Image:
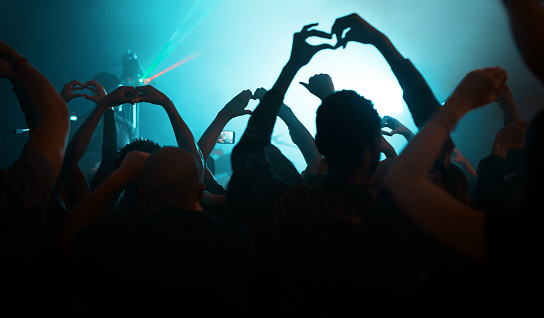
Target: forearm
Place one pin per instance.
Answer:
(468, 169)
(184, 136)
(90, 209)
(41, 91)
(81, 139)
(109, 150)
(436, 212)
(408, 135)
(109, 138)
(262, 121)
(207, 141)
(49, 137)
(510, 114)
(417, 93)
(32, 116)
(302, 138)
(422, 152)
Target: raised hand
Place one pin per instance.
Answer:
(6, 71)
(259, 93)
(359, 30)
(150, 94)
(121, 95)
(505, 99)
(302, 52)
(67, 92)
(8, 54)
(478, 88)
(133, 164)
(387, 149)
(236, 107)
(320, 85)
(510, 137)
(97, 89)
(396, 128)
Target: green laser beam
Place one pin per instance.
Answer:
(179, 35)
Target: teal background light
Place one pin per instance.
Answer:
(245, 43)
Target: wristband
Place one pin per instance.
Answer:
(18, 62)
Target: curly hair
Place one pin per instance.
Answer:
(144, 145)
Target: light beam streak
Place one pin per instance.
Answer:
(168, 69)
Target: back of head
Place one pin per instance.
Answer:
(144, 145)
(347, 127)
(170, 178)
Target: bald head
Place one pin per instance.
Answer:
(170, 177)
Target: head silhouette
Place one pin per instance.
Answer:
(170, 179)
(348, 129)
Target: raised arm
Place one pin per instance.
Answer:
(506, 103)
(74, 180)
(49, 137)
(396, 128)
(299, 135)
(90, 209)
(417, 93)
(527, 24)
(234, 108)
(455, 225)
(263, 119)
(32, 116)
(109, 135)
(184, 136)
(490, 192)
(320, 85)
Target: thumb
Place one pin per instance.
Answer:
(305, 85)
(243, 112)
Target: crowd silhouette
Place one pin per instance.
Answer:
(152, 233)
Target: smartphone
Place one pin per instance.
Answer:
(226, 137)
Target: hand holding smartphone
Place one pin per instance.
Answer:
(226, 137)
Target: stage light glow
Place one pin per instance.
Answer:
(73, 118)
(183, 30)
(168, 69)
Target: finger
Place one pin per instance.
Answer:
(341, 42)
(306, 27)
(141, 91)
(73, 89)
(75, 83)
(305, 85)
(242, 94)
(93, 83)
(319, 34)
(247, 112)
(387, 133)
(339, 26)
(246, 96)
(322, 47)
(498, 74)
(89, 88)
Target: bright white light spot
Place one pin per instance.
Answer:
(73, 118)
